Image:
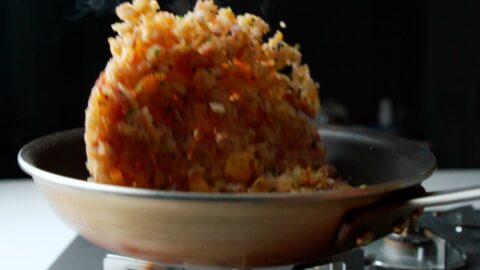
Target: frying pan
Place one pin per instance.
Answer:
(242, 230)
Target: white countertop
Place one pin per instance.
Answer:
(32, 236)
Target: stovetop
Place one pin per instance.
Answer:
(455, 235)
(460, 228)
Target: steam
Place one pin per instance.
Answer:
(98, 6)
(84, 8)
(266, 8)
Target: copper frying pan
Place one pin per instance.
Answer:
(241, 230)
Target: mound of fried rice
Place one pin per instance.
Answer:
(201, 102)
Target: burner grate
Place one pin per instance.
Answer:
(390, 253)
(441, 240)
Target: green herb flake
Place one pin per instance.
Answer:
(297, 46)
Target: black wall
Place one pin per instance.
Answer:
(423, 55)
(453, 82)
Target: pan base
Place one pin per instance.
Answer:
(83, 255)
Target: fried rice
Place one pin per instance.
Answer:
(203, 102)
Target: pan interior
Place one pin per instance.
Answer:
(362, 157)
(365, 157)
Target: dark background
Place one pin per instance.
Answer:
(422, 55)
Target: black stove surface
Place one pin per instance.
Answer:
(80, 255)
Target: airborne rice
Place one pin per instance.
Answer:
(200, 103)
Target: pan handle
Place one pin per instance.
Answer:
(445, 197)
(363, 225)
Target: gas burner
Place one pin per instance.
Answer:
(420, 249)
(432, 243)
(352, 260)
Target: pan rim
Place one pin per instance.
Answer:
(372, 190)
